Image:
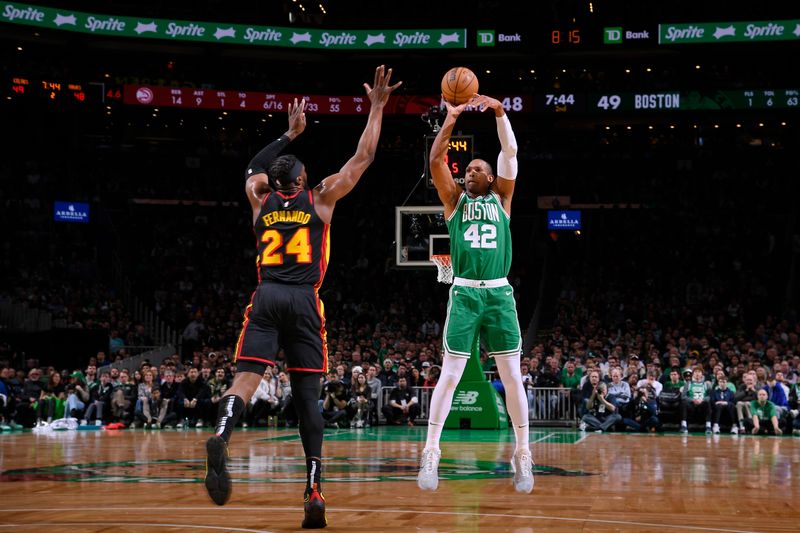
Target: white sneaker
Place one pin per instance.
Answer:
(734, 430)
(428, 478)
(715, 429)
(98, 422)
(522, 467)
(582, 426)
(199, 424)
(83, 422)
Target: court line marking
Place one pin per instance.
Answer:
(106, 524)
(581, 439)
(262, 508)
(543, 438)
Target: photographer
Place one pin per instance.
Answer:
(645, 411)
(334, 403)
(601, 414)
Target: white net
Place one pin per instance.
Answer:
(444, 267)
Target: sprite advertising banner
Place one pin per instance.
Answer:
(728, 32)
(212, 32)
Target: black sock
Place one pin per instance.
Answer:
(313, 473)
(230, 410)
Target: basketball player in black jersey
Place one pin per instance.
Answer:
(291, 223)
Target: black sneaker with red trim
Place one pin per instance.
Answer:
(314, 507)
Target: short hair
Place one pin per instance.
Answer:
(280, 169)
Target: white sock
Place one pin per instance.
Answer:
(442, 398)
(516, 399)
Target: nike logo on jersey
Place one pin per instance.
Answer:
(508, 293)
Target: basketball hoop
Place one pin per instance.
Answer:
(445, 268)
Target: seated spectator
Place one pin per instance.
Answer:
(600, 414)
(765, 417)
(5, 397)
(266, 400)
(169, 391)
(151, 405)
(432, 377)
(375, 389)
(359, 403)
(123, 399)
(744, 398)
(388, 376)
(722, 402)
(696, 400)
(619, 392)
(192, 400)
(99, 398)
(287, 414)
(52, 394)
(777, 395)
(403, 406)
(77, 396)
(144, 393)
(217, 385)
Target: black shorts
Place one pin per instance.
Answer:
(291, 317)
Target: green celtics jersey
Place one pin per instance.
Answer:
(480, 238)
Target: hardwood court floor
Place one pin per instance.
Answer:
(138, 480)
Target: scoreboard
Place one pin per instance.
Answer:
(192, 98)
(719, 100)
(81, 93)
(53, 90)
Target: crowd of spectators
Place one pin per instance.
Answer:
(691, 278)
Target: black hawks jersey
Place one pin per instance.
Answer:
(293, 242)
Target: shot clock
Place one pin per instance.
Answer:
(459, 154)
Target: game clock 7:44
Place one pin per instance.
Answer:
(559, 102)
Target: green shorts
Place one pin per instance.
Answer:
(489, 314)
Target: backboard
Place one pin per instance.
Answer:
(420, 231)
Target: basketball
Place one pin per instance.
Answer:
(459, 84)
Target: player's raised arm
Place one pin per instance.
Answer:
(257, 184)
(337, 185)
(506, 170)
(442, 177)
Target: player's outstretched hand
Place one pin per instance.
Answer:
(455, 110)
(297, 116)
(483, 102)
(379, 93)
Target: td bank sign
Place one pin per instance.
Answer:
(484, 38)
(727, 32)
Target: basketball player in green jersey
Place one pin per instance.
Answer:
(481, 299)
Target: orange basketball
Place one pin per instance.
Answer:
(459, 84)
